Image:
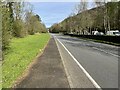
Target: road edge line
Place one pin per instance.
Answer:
(67, 74)
(86, 73)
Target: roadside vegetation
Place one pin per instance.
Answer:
(21, 53)
(102, 18)
(20, 43)
(18, 20)
(102, 21)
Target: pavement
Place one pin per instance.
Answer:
(48, 72)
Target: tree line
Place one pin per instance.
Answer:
(18, 20)
(104, 17)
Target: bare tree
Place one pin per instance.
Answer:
(103, 3)
(82, 6)
(100, 3)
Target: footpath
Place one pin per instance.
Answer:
(48, 72)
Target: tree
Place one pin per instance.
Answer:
(110, 14)
(94, 19)
(18, 9)
(18, 20)
(7, 23)
(112, 9)
(55, 28)
(81, 8)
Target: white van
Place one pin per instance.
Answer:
(97, 33)
(113, 33)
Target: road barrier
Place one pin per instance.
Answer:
(111, 39)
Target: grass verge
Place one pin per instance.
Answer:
(21, 53)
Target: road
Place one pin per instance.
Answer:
(88, 64)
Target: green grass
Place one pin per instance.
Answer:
(21, 53)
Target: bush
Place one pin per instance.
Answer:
(19, 29)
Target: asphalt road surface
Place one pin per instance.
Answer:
(99, 62)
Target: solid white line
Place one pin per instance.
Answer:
(86, 73)
(67, 73)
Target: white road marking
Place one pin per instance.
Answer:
(86, 73)
(68, 75)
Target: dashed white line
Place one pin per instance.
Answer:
(86, 73)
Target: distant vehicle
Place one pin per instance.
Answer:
(71, 33)
(117, 33)
(101, 33)
(113, 33)
(97, 33)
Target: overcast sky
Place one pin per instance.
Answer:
(53, 12)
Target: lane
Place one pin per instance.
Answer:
(102, 66)
(76, 77)
(90, 44)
